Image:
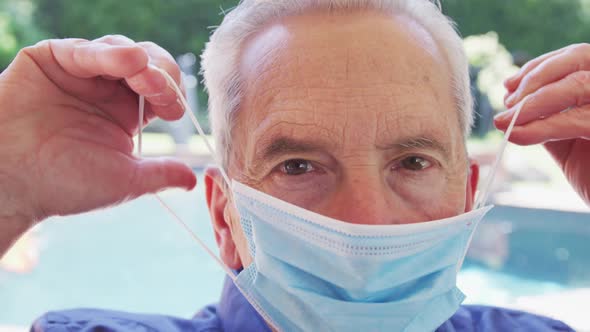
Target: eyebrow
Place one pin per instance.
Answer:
(283, 145)
(266, 152)
(418, 142)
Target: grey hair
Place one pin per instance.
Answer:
(220, 59)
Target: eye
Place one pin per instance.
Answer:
(415, 163)
(296, 167)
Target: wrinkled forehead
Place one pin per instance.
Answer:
(320, 64)
(343, 50)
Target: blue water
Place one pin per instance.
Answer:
(134, 257)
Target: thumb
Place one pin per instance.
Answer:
(560, 150)
(157, 174)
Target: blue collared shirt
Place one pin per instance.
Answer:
(235, 314)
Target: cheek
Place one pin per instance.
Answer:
(448, 202)
(431, 197)
(305, 190)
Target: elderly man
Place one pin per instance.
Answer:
(342, 125)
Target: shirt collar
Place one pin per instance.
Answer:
(236, 313)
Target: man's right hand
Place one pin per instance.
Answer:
(68, 112)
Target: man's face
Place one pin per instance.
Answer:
(351, 116)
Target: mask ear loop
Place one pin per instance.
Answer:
(180, 98)
(484, 193)
(482, 196)
(201, 243)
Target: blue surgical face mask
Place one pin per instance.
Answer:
(314, 273)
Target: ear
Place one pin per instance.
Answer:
(219, 208)
(472, 181)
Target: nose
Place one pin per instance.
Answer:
(363, 198)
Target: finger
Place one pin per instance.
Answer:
(553, 69)
(149, 82)
(153, 175)
(87, 59)
(161, 97)
(512, 82)
(560, 150)
(55, 58)
(49, 55)
(157, 56)
(162, 59)
(114, 40)
(164, 103)
(564, 153)
(572, 91)
(123, 108)
(574, 123)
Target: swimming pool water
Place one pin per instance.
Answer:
(134, 257)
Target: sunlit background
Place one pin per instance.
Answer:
(531, 253)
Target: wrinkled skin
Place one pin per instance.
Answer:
(555, 82)
(67, 117)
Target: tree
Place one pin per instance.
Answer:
(16, 29)
(180, 26)
(531, 26)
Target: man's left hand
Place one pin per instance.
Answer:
(557, 110)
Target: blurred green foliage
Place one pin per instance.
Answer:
(532, 27)
(17, 29)
(179, 26)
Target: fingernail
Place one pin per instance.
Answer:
(83, 44)
(154, 95)
(510, 101)
(504, 115)
(512, 77)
